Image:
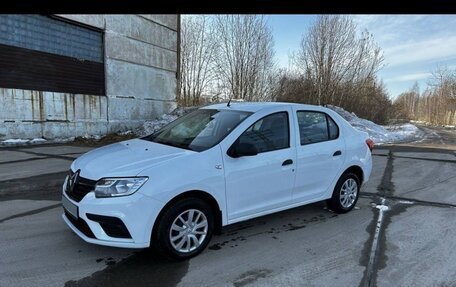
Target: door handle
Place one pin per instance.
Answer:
(337, 153)
(287, 162)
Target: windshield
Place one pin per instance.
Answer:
(199, 130)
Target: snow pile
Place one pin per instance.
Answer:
(403, 132)
(150, 127)
(378, 133)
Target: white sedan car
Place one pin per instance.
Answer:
(218, 165)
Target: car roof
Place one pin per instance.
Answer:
(257, 106)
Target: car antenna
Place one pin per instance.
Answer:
(229, 101)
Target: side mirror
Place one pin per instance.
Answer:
(242, 149)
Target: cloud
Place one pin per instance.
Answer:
(387, 28)
(408, 77)
(420, 51)
(412, 38)
(387, 21)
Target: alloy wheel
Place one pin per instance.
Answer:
(188, 230)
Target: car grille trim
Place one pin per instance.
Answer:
(81, 188)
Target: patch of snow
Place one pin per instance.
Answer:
(406, 202)
(418, 122)
(15, 141)
(381, 134)
(19, 142)
(433, 125)
(37, 140)
(125, 133)
(92, 137)
(382, 207)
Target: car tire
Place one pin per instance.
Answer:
(190, 220)
(345, 194)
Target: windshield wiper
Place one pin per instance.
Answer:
(174, 144)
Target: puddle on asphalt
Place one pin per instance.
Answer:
(248, 229)
(140, 270)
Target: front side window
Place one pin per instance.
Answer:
(199, 130)
(269, 133)
(316, 127)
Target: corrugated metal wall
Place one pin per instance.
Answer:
(71, 75)
(45, 54)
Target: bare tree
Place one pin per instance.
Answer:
(244, 62)
(338, 65)
(437, 105)
(332, 55)
(196, 61)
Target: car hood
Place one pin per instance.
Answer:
(127, 158)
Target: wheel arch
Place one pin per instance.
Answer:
(205, 196)
(357, 170)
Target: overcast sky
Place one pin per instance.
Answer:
(413, 45)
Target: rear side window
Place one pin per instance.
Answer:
(316, 127)
(269, 133)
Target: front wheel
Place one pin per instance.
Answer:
(185, 229)
(345, 194)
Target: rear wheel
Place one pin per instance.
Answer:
(345, 194)
(185, 229)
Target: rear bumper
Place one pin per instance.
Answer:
(367, 169)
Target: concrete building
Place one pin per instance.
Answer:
(71, 75)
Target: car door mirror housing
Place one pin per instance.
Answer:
(242, 149)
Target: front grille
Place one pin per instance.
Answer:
(80, 224)
(82, 186)
(112, 226)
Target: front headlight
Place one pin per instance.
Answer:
(109, 187)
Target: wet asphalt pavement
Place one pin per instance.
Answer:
(402, 232)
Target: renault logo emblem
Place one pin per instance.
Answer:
(73, 180)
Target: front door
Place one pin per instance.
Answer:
(263, 182)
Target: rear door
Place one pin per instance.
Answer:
(320, 154)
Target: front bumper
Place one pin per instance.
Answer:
(103, 242)
(137, 212)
